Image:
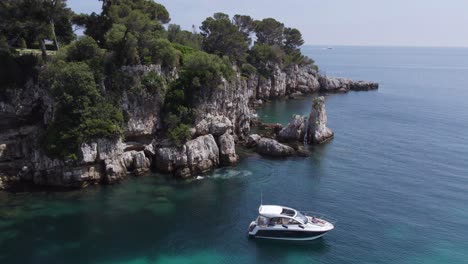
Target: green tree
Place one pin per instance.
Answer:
(82, 114)
(269, 31)
(163, 52)
(246, 25)
(176, 35)
(222, 37)
(84, 49)
(35, 21)
(262, 56)
(292, 40)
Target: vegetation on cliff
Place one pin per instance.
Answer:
(85, 78)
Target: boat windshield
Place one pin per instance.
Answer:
(301, 217)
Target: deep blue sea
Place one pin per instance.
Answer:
(395, 177)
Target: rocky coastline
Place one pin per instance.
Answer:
(224, 119)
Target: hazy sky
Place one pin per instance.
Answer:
(337, 22)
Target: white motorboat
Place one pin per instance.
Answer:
(279, 222)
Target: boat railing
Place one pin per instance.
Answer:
(320, 216)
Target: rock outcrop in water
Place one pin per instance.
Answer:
(224, 118)
(342, 85)
(317, 130)
(195, 157)
(271, 147)
(294, 131)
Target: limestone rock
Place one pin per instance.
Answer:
(202, 154)
(317, 130)
(88, 152)
(141, 162)
(216, 125)
(227, 150)
(342, 85)
(271, 147)
(171, 159)
(252, 140)
(294, 131)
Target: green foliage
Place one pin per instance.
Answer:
(136, 27)
(84, 49)
(179, 134)
(296, 58)
(205, 70)
(246, 25)
(184, 37)
(96, 26)
(82, 113)
(34, 21)
(247, 70)
(223, 38)
(292, 40)
(15, 70)
(269, 31)
(261, 56)
(154, 83)
(22, 43)
(163, 52)
(200, 74)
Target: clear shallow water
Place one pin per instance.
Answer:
(395, 177)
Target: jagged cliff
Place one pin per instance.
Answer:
(223, 118)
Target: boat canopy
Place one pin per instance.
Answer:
(272, 211)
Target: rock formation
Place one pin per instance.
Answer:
(222, 118)
(342, 85)
(294, 131)
(271, 147)
(317, 130)
(227, 150)
(195, 157)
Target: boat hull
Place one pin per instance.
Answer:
(288, 235)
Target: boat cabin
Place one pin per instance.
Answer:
(270, 215)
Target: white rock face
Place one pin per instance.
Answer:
(196, 156)
(202, 154)
(216, 125)
(317, 130)
(227, 150)
(271, 147)
(89, 152)
(294, 131)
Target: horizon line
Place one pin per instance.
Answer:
(382, 46)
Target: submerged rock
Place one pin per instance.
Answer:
(271, 147)
(317, 130)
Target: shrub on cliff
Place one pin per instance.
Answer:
(161, 51)
(183, 37)
(81, 112)
(180, 134)
(201, 69)
(154, 83)
(83, 49)
(247, 70)
(263, 56)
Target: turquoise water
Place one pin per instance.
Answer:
(395, 177)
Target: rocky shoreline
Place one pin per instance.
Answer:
(224, 119)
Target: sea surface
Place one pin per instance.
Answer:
(395, 177)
